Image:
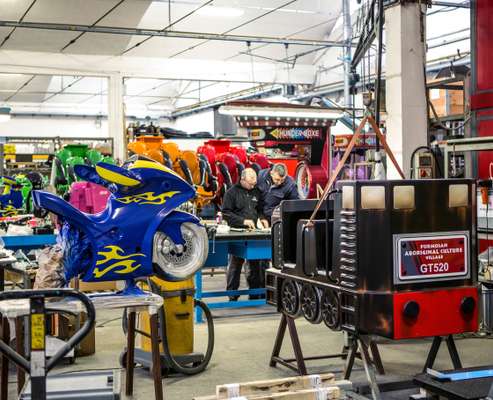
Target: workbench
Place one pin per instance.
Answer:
(250, 245)
(25, 243)
(28, 242)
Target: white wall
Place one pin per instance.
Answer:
(198, 122)
(48, 127)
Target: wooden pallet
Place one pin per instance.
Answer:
(308, 387)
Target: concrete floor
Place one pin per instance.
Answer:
(242, 349)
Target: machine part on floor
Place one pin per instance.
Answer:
(101, 385)
(104, 385)
(114, 245)
(463, 384)
(460, 376)
(177, 329)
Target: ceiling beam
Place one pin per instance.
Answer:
(253, 92)
(451, 4)
(170, 34)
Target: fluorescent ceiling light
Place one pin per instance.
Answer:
(275, 112)
(213, 11)
(4, 114)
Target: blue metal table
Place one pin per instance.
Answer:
(28, 242)
(248, 245)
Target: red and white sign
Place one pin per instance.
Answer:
(432, 257)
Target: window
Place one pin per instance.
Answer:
(373, 197)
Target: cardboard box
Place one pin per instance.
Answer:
(95, 286)
(447, 102)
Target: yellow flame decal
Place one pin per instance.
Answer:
(9, 211)
(115, 253)
(147, 198)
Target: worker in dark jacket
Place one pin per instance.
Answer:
(275, 185)
(242, 208)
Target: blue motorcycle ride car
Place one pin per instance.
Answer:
(139, 233)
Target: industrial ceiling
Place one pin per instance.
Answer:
(281, 32)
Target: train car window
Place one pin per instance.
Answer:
(348, 197)
(458, 195)
(403, 197)
(373, 197)
(291, 212)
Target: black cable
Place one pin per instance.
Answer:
(168, 357)
(187, 370)
(378, 83)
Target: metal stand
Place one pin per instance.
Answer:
(298, 364)
(155, 355)
(435, 346)
(366, 345)
(4, 365)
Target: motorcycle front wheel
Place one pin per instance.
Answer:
(174, 262)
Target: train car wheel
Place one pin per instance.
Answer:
(311, 303)
(331, 309)
(290, 298)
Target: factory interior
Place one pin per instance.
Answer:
(246, 199)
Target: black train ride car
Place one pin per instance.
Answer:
(396, 259)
